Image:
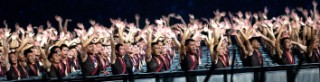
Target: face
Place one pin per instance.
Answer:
(22, 60)
(64, 52)
(316, 43)
(287, 43)
(90, 48)
(55, 58)
(36, 51)
(198, 44)
(255, 44)
(79, 46)
(122, 51)
(156, 49)
(13, 58)
(31, 57)
(70, 55)
(98, 48)
(73, 52)
(108, 50)
(169, 41)
(161, 45)
(192, 47)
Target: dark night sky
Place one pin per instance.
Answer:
(38, 11)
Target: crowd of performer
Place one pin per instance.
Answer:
(125, 47)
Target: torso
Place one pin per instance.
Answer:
(190, 61)
(119, 67)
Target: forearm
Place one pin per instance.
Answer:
(113, 49)
(149, 48)
(65, 29)
(60, 27)
(88, 41)
(177, 43)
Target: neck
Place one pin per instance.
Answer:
(31, 63)
(257, 50)
(14, 65)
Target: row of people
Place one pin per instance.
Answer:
(126, 48)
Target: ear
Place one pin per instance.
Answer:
(50, 59)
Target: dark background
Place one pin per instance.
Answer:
(38, 11)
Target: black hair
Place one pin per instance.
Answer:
(134, 43)
(73, 46)
(52, 51)
(63, 45)
(118, 46)
(154, 43)
(188, 41)
(255, 38)
(282, 41)
(26, 52)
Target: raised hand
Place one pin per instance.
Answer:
(240, 15)
(80, 25)
(172, 15)
(137, 16)
(248, 15)
(48, 24)
(40, 29)
(287, 10)
(92, 22)
(178, 17)
(58, 18)
(191, 16)
(314, 3)
(5, 23)
(29, 28)
(68, 20)
(147, 22)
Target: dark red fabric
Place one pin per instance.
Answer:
(93, 58)
(123, 64)
(223, 60)
(290, 57)
(159, 63)
(33, 69)
(260, 57)
(16, 71)
(194, 62)
(165, 62)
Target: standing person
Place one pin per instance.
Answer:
(52, 63)
(32, 67)
(118, 63)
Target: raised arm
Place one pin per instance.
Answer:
(65, 29)
(83, 52)
(241, 45)
(315, 11)
(113, 49)
(59, 19)
(6, 53)
(248, 44)
(149, 48)
(302, 47)
(181, 19)
(183, 40)
(278, 45)
(44, 57)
